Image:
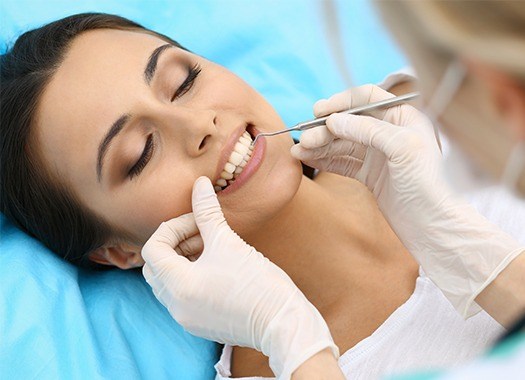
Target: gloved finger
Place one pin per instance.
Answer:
(316, 137)
(338, 147)
(335, 103)
(354, 97)
(373, 164)
(190, 247)
(206, 209)
(161, 245)
(368, 131)
(148, 274)
(351, 165)
(151, 279)
(367, 94)
(342, 165)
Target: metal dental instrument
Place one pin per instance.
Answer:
(387, 103)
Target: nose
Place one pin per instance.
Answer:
(193, 128)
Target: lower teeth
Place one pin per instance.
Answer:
(228, 182)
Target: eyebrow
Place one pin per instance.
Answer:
(118, 125)
(104, 145)
(151, 67)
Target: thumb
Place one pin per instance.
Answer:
(206, 208)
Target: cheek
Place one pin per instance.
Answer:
(159, 198)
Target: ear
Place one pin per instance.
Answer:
(507, 93)
(123, 256)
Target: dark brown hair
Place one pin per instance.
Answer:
(30, 196)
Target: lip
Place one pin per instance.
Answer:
(251, 167)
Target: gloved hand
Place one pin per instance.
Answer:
(395, 154)
(232, 294)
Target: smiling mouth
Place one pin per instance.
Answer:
(239, 157)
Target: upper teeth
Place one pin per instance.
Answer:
(237, 161)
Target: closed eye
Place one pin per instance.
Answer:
(193, 73)
(144, 158)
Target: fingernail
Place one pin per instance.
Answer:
(202, 183)
(202, 178)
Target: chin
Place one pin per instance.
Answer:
(267, 192)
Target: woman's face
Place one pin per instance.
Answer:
(127, 129)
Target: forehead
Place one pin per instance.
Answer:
(98, 61)
(105, 50)
(89, 90)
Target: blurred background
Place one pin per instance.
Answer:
(292, 51)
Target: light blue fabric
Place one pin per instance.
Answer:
(59, 322)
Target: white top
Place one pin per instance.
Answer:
(424, 333)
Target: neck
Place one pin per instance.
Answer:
(337, 249)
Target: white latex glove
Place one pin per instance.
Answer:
(395, 154)
(232, 294)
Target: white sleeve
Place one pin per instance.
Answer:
(400, 76)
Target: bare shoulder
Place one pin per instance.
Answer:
(248, 362)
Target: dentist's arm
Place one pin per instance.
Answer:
(504, 298)
(394, 153)
(233, 294)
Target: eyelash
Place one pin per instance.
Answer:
(188, 82)
(144, 158)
